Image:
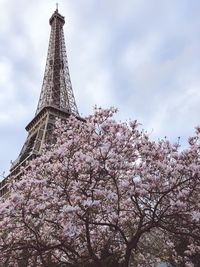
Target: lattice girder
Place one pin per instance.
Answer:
(57, 88)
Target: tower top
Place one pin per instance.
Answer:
(57, 88)
(57, 15)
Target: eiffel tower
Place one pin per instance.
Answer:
(56, 100)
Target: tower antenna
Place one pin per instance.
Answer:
(56, 6)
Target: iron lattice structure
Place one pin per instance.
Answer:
(57, 88)
(56, 100)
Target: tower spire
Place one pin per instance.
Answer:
(57, 88)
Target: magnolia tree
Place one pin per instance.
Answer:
(104, 195)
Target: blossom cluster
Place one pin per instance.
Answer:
(104, 192)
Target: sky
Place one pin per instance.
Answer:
(141, 56)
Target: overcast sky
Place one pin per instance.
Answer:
(142, 56)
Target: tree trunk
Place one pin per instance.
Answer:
(127, 257)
